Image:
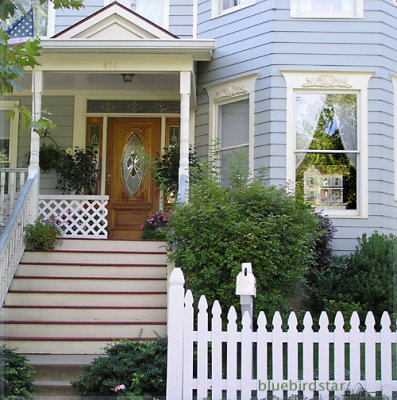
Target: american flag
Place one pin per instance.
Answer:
(22, 27)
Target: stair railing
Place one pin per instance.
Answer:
(11, 241)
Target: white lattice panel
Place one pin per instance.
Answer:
(79, 216)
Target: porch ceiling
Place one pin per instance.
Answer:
(109, 81)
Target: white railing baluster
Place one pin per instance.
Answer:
(11, 240)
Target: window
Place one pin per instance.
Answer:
(220, 7)
(231, 120)
(327, 140)
(327, 9)
(8, 134)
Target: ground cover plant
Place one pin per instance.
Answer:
(130, 368)
(243, 221)
(16, 381)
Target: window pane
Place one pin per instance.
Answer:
(4, 134)
(328, 181)
(150, 9)
(232, 3)
(329, 6)
(234, 123)
(234, 160)
(326, 121)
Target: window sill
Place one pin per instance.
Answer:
(345, 214)
(324, 16)
(233, 9)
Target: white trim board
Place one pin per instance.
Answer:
(394, 80)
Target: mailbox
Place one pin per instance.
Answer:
(246, 282)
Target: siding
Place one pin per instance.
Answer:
(68, 17)
(181, 18)
(264, 38)
(61, 109)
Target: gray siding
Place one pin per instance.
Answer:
(181, 18)
(264, 38)
(62, 110)
(68, 17)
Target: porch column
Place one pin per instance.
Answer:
(184, 137)
(34, 167)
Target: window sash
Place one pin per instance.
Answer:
(327, 9)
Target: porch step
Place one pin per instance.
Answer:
(54, 373)
(85, 294)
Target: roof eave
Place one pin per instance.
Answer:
(200, 49)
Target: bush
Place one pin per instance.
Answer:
(223, 227)
(141, 366)
(154, 227)
(78, 171)
(43, 235)
(16, 382)
(363, 281)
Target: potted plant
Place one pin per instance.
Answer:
(43, 235)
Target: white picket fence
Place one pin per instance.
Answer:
(82, 217)
(257, 364)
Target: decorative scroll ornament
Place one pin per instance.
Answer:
(230, 91)
(327, 81)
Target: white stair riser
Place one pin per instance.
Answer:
(59, 347)
(76, 271)
(95, 258)
(90, 285)
(48, 314)
(59, 299)
(112, 245)
(83, 331)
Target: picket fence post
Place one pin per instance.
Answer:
(175, 335)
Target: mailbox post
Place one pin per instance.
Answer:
(246, 288)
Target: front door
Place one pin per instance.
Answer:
(132, 194)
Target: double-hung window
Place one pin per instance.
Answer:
(220, 7)
(231, 120)
(327, 140)
(8, 133)
(327, 8)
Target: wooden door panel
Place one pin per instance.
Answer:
(132, 195)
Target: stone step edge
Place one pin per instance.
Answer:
(99, 252)
(80, 292)
(68, 339)
(35, 322)
(88, 307)
(110, 278)
(82, 264)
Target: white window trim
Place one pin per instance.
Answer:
(216, 8)
(394, 80)
(229, 92)
(13, 152)
(295, 13)
(333, 82)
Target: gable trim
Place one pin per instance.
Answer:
(103, 10)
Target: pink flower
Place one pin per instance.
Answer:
(162, 213)
(117, 388)
(142, 226)
(154, 214)
(155, 224)
(165, 219)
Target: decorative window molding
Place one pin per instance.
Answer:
(327, 9)
(335, 92)
(394, 80)
(222, 7)
(9, 140)
(225, 93)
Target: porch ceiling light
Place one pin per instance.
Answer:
(128, 77)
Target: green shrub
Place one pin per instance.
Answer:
(16, 382)
(141, 366)
(43, 235)
(362, 281)
(248, 222)
(77, 171)
(155, 226)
